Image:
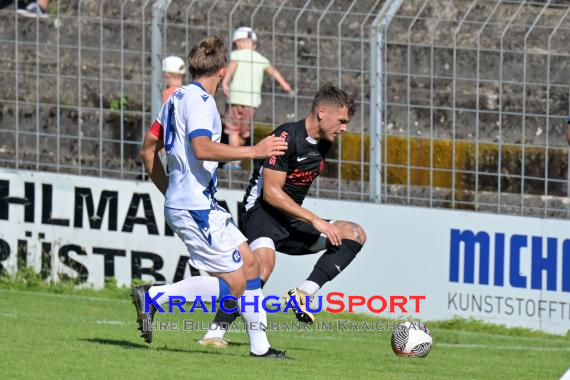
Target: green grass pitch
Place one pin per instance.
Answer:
(73, 336)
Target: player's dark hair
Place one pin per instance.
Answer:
(336, 96)
(207, 57)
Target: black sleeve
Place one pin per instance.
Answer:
(281, 163)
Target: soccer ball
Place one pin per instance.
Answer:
(411, 339)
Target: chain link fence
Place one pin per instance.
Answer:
(461, 103)
(473, 106)
(81, 87)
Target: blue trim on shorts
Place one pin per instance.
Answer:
(224, 288)
(253, 284)
(201, 217)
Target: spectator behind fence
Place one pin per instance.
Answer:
(35, 9)
(173, 68)
(245, 73)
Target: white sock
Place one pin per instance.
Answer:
(217, 332)
(309, 287)
(257, 336)
(203, 286)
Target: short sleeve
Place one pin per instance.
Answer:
(162, 114)
(280, 163)
(264, 62)
(198, 115)
(156, 130)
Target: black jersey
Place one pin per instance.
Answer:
(303, 161)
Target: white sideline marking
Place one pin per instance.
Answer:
(450, 345)
(56, 295)
(495, 336)
(503, 348)
(99, 322)
(111, 322)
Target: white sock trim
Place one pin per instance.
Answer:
(262, 242)
(309, 287)
(218, 332)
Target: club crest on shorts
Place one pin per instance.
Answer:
(236, 256)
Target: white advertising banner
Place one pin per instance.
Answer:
(87, 228)
(503, 269)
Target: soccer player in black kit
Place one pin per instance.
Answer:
(272, 217)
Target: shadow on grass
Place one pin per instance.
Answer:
(116, 342)
(130, 345)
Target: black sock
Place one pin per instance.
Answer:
(334, 261)
(224, 319)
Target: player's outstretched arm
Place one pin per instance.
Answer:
(207, 150)
(273, 182)
(149, 154)
(279, 78)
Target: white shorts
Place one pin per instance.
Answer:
(210, 236)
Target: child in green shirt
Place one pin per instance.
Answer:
(242, 86)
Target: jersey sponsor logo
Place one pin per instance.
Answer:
(204, 97)
(299, 159)
(236, 256)
(298, 177)
(282, 136)
(178, 94)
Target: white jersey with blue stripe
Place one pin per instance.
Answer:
(190, 112)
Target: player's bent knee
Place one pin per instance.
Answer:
(345, 229)
(352, 231)
(359, 234)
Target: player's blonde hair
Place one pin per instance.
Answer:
(207, 57)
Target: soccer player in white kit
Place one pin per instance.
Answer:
(189, 127)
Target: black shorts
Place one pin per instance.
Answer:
(290, 236)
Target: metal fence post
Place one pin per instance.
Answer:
(524, 113)
(547, 129)
(501, 105)
(158, 13)
(362, 91)
(454, 105)
(409, 101)
(477, 98)
(296, 52)
(377, 35)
